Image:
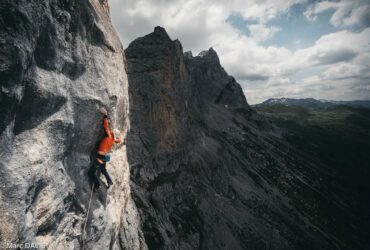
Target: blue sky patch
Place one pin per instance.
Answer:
(296, 31)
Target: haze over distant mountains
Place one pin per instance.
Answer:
(313, 103)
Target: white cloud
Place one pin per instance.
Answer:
(262, 11)
(346, 71)
(186, 20)
(344, 78)
(341, 46)
(260, 32)
(263, 71)
(317, 8)
(346, 12)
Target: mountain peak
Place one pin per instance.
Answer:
(209, 55)
(188, 54)
(313, 103)
(160, 30)
(160, 34)
(306, 102)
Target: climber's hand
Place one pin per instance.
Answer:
(103, 111)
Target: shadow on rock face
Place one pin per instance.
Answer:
(45, 53)
(73, 70)
(35, 107)
(100, 194)
(15, 26)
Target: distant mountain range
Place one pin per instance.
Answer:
(313, 103)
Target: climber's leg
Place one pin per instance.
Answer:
(105, 173)
(96, 177)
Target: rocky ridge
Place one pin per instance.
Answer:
(208, 172)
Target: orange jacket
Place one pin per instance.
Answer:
(108, 141)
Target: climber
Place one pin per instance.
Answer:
(111, 137)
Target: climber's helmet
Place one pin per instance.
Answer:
(116, 132)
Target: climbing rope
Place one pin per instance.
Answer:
(87, 216)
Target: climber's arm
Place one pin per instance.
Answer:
(106, 126)
(108, 133)
(106, 123)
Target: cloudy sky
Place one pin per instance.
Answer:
(274, 48)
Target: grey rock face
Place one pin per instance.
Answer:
(59, 62)
(208, 172)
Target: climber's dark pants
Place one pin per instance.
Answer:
(101, 167)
